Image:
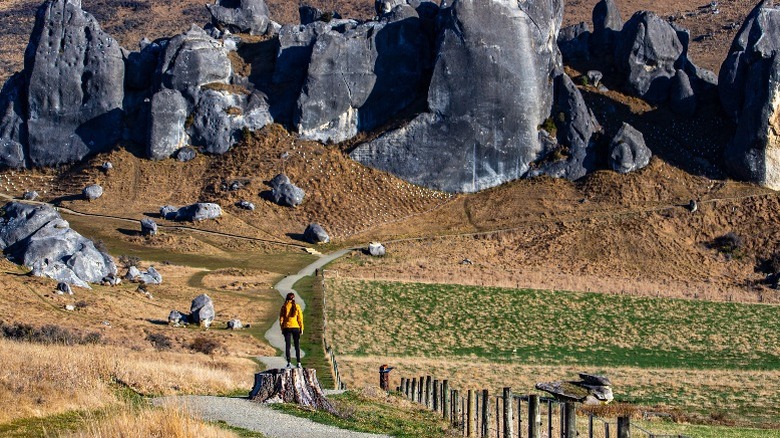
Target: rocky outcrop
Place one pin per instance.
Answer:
(148, 227)
(287, 195)
(649, 51)
(240, 16)
(92, 192)
(36, 236)
(376, 249)
(192, 213)
(607, 22)
(477, 134)
(750, 93)
(13, 127)
(150, 276)
(628, 151)
(315, 234)
(202, 311)
(574, 42)
(358, 79)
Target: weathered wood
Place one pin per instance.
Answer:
(290, 385)
(533, 416)
(471, 429)
(428, 392)
(436, 395)
(403, 384)
(508, 421)
(570, 422)
(421, 390)
(445, 399)
(485, 414)
(624, 427)
(413, 394)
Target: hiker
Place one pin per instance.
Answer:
(291, 321)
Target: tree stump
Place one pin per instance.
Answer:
(290, 385)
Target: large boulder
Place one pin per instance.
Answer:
(13, 128)
(491, 90)
(361, 78)
(168, 117)
(314, 233)
(240, 16)
(607, 22)
(92, 192)
(628, 151)
(75, 75)
(287, 195)
(36, 236)
(150, 276)
(199, 212)
(749, 87)
(202, 311)
(148, 227)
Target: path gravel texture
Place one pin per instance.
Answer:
(285, 286)
(240, 412)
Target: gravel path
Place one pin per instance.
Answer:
(240, 412)
(285, 286)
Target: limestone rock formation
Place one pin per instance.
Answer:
(682, 98)
(590, 389)
(360, 78)
(574, 42)
(148, 227)
(240, 16)
(477, 133)
(607, 22)
(92, 192)
(36, 236)
(13, 129)
(150, 276)
(202, 311)
(749, 89)
(376, 249)
(628, 151)
(285, 193)
(315, 234)
(68, 52)
(199, 212)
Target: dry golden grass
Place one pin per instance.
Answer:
(747, 397)
(41, 380)
(165, 422)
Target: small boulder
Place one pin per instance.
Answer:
(92, 192)
(594, 77)
(148, 227)
(168, 212)
(234, 324)
(175, 318)
(64, 288)
(628, 151)
(105, 167)
(246, 205)
(279, 180)
(288, 195)
(111, 280)
(202, 311)
(186, 154)
(70, 307)
(31, 195)
(242, 16)
(199, 212)
(376, 249)
(150, 276)
(314, 233)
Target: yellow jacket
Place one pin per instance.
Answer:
(288, 322)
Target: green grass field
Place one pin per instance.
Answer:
(717, 363)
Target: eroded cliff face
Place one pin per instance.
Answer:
(491, 89)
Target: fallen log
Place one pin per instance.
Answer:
(290, 385)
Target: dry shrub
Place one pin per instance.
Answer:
(205, 345)
(38, 380)
(164, 422)
(47, 334)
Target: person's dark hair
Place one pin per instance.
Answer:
(291, 299)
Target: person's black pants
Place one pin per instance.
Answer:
(295, 334)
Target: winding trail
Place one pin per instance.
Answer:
(285, 286)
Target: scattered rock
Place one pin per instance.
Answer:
(70, 307)
(202, 311)
(594, 77)
(111, 280)
(186, 154)
(315, 234)
(168, 116)
(105, 167)
(628, 151)
(288, 195)
(376, 249)
(64, 288)
(693, 206)
(148, 227)
(150, 276)
(242, 16)
(175, 318)
(466, 262)
(246, 205)
(92, 192)
(199, 212)
(168, 212)
(235, 324)
(30, 195)
(36, 236)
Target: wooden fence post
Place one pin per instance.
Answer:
(624, 427)
(533, 416)
(413, 395)
(428, 392)
(508, 421)
(445, 391)
(485, 413)
(455, 420)
(421, 390)
(406, 391)
(403, 384)
(436, 395)
(470, 429)
(570, 427)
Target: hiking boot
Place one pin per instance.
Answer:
(299, 365)
(288, 365)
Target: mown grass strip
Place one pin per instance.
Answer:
(310, 290)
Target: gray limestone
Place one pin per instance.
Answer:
(314, 233)
(477, 134)
(148, 227)
(150, 276)
(287, 195)
(240, 16)
(628, 151)
(92, 192)
(75, 74)
(198, 212)
(13, 128)
(202, 311)
(168, 116)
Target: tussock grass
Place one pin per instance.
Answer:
(532, 326)
(37, 380)
(165, 422)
